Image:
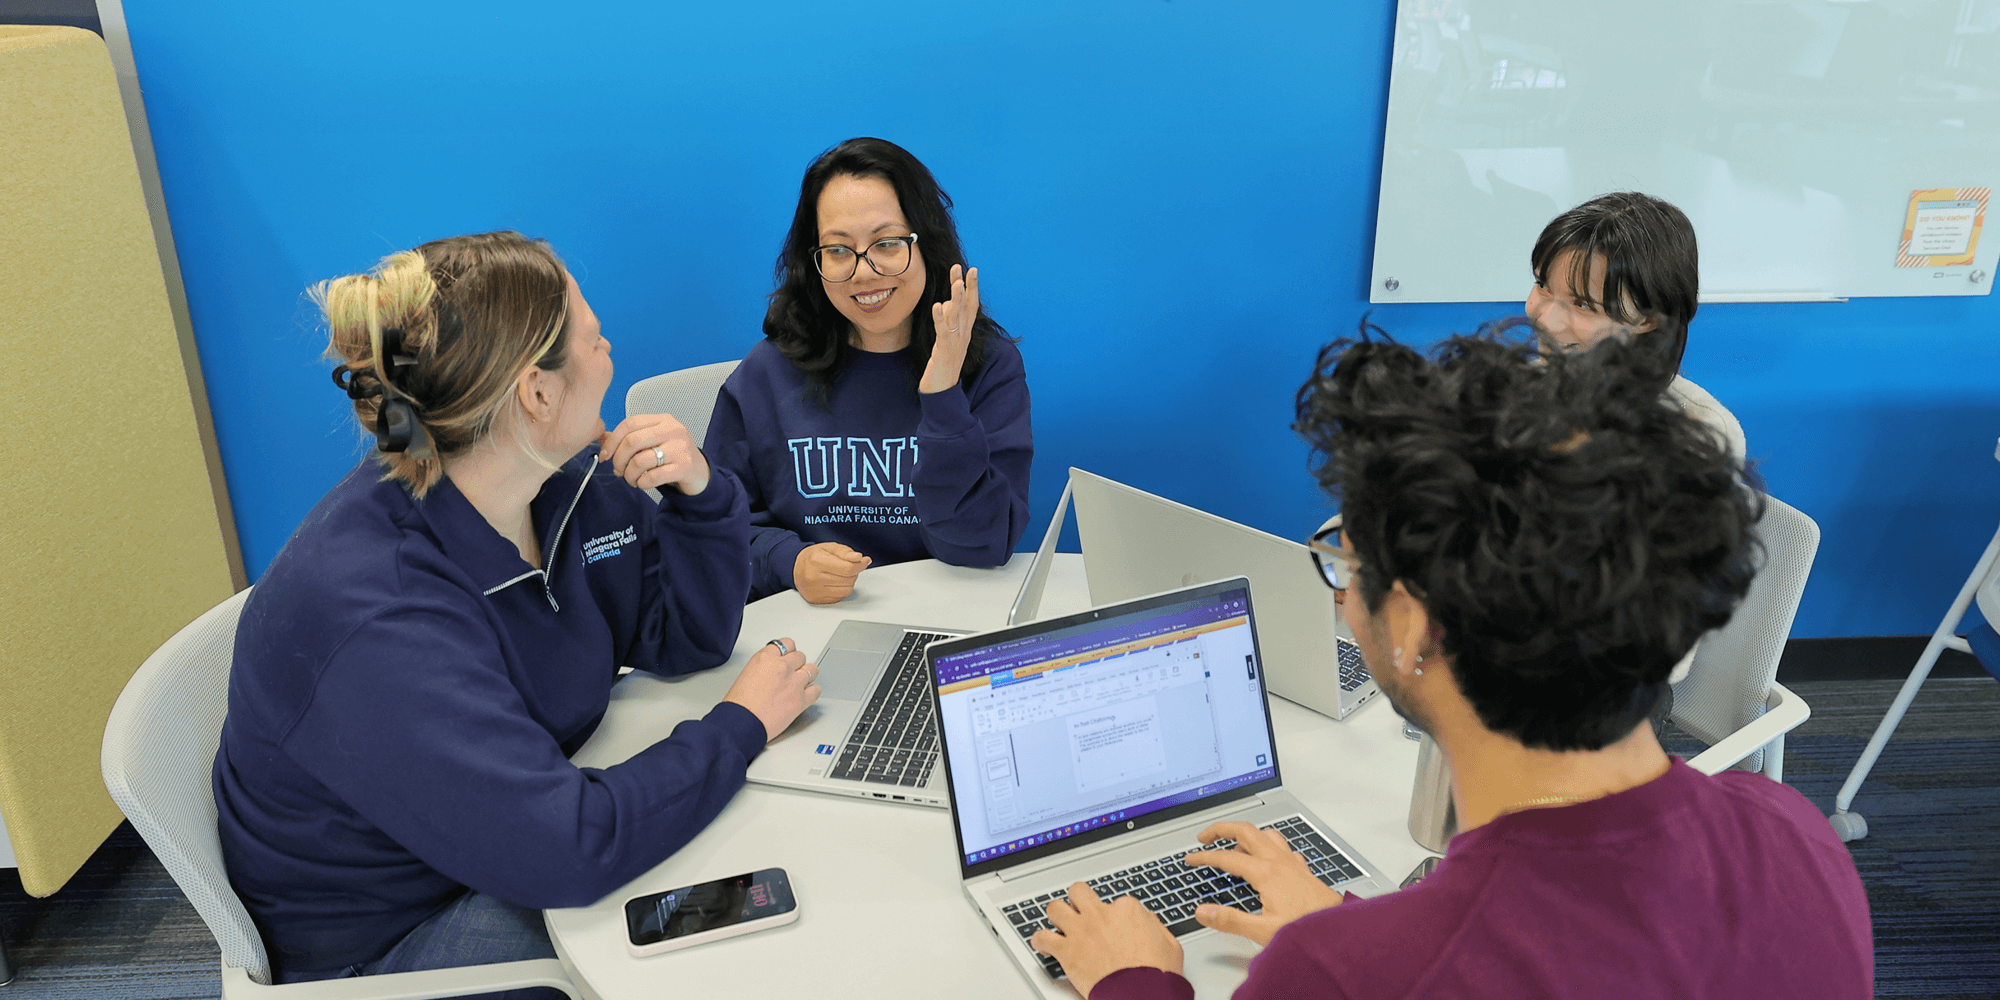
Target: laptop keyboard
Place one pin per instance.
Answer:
(894, 742)
(1353, 672)
(1171, 889)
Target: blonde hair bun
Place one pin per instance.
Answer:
(473, 311)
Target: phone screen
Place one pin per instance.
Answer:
(692, 909)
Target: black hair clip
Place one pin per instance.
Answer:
(349, 381)
(392, 348)
(396, 425)
(397, 429)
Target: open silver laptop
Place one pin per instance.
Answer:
(1137, 543)
(1095, 747)
(870, 734)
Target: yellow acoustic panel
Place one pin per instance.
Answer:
(109, 539)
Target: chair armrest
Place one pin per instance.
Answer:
(1783, 711)
(431, 984)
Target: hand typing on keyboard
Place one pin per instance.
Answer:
(1283, 879)
(1097, 939)
(1172, 890)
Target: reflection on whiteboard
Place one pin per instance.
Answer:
(1789, 131)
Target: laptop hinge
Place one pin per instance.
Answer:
(1194, 821)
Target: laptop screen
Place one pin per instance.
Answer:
(1101, 722)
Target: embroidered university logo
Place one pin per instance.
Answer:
(874, 468)
(606, 546)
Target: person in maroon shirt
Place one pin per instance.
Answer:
(1527, 545)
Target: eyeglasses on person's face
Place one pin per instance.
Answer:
(889, 257)
(1335, 564)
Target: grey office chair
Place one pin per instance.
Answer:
(159, 749)
(688, 394)
(1730, 698)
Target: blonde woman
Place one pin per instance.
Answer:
(418, 663)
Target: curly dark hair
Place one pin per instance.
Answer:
(802, 323)
(1571, 533)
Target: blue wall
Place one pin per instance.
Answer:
(1171, 201)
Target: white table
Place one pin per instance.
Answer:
(880, 909)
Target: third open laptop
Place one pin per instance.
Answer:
(870, 734)
(1095, 747)
(1137, 543)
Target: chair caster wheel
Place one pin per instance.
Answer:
(1848, 826)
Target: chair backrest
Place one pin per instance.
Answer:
(688, 394)
(159, 753)
(1733, 670)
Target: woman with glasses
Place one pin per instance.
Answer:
(884, 417)
(1625, 266)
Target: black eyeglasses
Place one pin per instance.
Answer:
(889, 257)
(1334, 563)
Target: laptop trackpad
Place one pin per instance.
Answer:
(845, 673)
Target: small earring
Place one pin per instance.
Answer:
(1420, 671)
(1420, 657)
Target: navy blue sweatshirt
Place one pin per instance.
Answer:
(407, 690)
(890, 472)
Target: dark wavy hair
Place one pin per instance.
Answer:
(1571, 533)
(1650, 260)
(802, 322)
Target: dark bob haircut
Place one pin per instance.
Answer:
(802, 322)
(1650, 265)
(1570, 532)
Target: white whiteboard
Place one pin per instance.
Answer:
(1792, 132)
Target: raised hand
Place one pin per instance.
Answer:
(953, 321)
(654, 450)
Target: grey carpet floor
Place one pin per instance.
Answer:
(122, 931)
(1931, 860)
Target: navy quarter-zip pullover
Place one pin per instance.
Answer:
(879, 467)
(407, 690)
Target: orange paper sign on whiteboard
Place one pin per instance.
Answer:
(1942, 227)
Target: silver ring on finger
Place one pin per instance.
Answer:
(783, 650)
(659, 457)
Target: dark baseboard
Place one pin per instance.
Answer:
(1868, 658)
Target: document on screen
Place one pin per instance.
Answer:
(1117, 742)
(1075, 741)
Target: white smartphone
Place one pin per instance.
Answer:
(711, 911)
